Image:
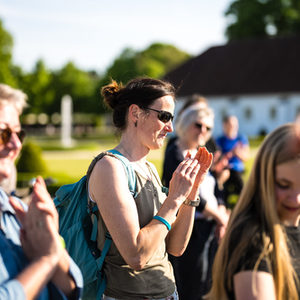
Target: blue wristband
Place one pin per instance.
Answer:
(164, 221)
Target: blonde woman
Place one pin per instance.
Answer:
(259, 257)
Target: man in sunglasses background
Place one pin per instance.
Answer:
(33, 261)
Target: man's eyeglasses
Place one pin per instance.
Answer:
(200, 126)
(6, 133)
(163, 115)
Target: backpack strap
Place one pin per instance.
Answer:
(129, 170)
(92, 207)
(100, 261)
(93, 211)
(126, 164)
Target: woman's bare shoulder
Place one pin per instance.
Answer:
(107, 163)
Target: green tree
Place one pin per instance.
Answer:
(168, 56)
(262, 18)
(123, 67)
(154, 62)
(80, 85)
(6, 46)
(37, 86)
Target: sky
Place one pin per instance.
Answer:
(92, 33)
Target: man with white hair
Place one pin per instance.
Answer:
(18, 98)
(33, 261)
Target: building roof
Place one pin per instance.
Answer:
(242, 67)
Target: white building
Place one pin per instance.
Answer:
(256, 80)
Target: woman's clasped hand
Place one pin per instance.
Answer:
(39, 236)
(189, 174)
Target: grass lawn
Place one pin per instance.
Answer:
(67, 166)
(72, 165)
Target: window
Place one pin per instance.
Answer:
(233, 99)
(273, 113)
(248, 113)
(223, 113)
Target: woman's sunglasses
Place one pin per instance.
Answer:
(200, 126)
(163, 115)
(5, 135)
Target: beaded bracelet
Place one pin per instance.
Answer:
(164, 221)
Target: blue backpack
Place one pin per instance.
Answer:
(78, 227)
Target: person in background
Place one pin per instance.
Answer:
(220, 163)
(144, 228)
(194, 127)
(33, 262)
(259, 256)
(197, 101)
(235, 147)
(19, 99)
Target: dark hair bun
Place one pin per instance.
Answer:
(110, 93)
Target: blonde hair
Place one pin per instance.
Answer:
(13, 96)
(255, 213)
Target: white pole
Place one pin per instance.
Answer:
(66, 121)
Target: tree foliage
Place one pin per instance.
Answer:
(154, 62)
(263, 18)
(6, 46)
(80, 85)
(37, 87)
(45, 88)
